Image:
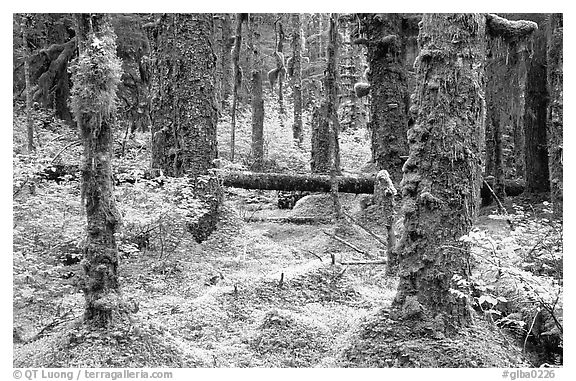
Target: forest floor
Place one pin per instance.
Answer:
(259, 293)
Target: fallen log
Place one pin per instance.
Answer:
(296, 182)
(321, 183)
(281, 181)
(290, 220)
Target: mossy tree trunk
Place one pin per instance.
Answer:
(257, 146)
(296, 73)
(555, 110)
(325, 126)
(184, 112)
(93, 105)
(535, 110)
(29, 121)
(389, 92)
(442, 176)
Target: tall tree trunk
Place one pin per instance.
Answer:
(555, 110)
(257, 96)
(535, 109)
(184, 111)
(227, 43)
(325, 127)
(93, 105)
(442, 176)
(389, 92)
(237, 80)
(496, 102)
(281, 66)
(297, 77)
(29, 121)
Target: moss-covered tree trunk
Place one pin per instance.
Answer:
(389, 92)
(555, 110)
(442, 176)
(93, 103)
(257, 146)
(535, 110)
(325, 127)
(29, 121)
(296, 72)
(184, 112)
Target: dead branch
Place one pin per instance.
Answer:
(341, 240)
(365, 228)
(380, 262)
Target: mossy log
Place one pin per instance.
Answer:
(294, 182)
(274, 181)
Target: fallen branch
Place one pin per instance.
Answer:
(380, 262)
(358, 223)
(346, 243)
(500, 205)
(290, 220)
(314, 254)
(74, 143)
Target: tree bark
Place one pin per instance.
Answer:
(496, 105)
(297, 77)
(93, 105)
(389, 92)
(257, 96)
(325, 126)
(281, 67)
(184, 111)
(555, 110)
(226, 57)
(29, 121)
(237, 81)
(442, 176)
(535, 110)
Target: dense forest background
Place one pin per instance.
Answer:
(291, 190)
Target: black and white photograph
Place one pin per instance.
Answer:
(286, 190)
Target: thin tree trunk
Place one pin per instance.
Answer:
(226, 61)
(282, 70)
(325, 148)
(555, 111)
(29, 121)
(257, 95)
(297, 77)
(94, 116)
(237, 81)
